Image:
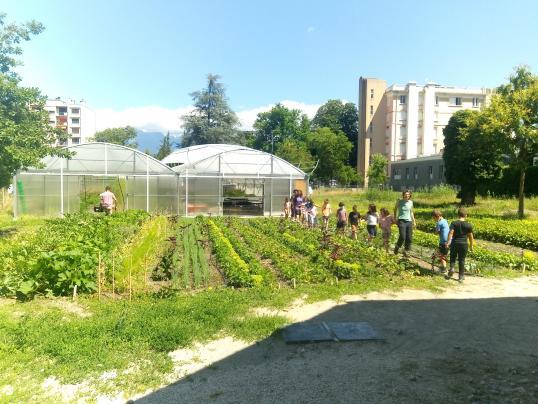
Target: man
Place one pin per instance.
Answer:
(108, 201)
(442, 229)
(461, 240)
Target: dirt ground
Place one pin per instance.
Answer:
(476, 342)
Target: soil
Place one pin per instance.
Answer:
(476, 342)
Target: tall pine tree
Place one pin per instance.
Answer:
(165, 148)
(212, 120)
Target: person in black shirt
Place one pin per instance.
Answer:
(460, 232)
(354, 218)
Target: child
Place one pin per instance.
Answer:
(385, 222)
(460, 232)
(326, 212)
(371, 221)
(298, 205)
(341, 218)
(287, 208)
(354, 219)
(312, 213)
(441, 228)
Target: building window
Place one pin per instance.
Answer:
(441, 171)
(396, 174)
(431, 172)
(75, 140)
(475, 102)
(455, 101)
(62, 110)
(415, 172)
(371, 109)
(437, 100)
(75, 121)
(407, 173)
(75, 131)
(371, 127)
(402, 99)
(75, 110)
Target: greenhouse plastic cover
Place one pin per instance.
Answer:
(224, 159)
(104, 158)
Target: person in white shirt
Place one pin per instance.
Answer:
(371, 221)
(108, 200)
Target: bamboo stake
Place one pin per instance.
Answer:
(99, 277)
(130, 280)
(75, 292)
(294, 284)
(113, 279)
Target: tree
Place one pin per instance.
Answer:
(11, 35)
(277, 125)
(123, 136)
(212, 120)
(470, 156)
(165, 148)
(332, 150)
(25, 135)
(377, 172)
(513, 116)
(337, 116)
(297, 153)
(348, 175)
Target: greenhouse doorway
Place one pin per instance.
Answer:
(242, 197)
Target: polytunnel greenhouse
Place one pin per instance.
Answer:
(226, 179)
(210, 179)
(71, 185)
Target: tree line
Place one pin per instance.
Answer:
(483, 147)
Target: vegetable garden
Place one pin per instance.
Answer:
(133, 253)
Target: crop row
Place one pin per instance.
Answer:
(480, 254)
(236, 271)
(519, 233)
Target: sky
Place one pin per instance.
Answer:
(136, 62)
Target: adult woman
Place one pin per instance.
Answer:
(403, 213)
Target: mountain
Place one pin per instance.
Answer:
(152, 140)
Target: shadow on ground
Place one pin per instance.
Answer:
(470, 350)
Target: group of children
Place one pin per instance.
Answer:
(372, 219)
(456, 238)
(301, 208)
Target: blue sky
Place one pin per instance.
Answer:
(130, 55)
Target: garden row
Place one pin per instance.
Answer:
(519, 233)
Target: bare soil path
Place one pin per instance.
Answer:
(475, 342)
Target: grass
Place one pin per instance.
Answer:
(40, 340)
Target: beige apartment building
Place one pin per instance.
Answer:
(407, 122)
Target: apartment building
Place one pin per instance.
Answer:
(76, 118)
(407, 122)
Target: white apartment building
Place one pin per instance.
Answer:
(407, 122)
(76, 118)
(416, 116)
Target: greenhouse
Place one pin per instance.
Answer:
(226, 179)
(210, 179)
(71, 185)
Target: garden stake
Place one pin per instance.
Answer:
(130, 280)
(113, 279)
(74, 292)
(294, 285)
(99, 277)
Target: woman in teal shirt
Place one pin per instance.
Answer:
(403, 213)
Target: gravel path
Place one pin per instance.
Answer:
(476, 342)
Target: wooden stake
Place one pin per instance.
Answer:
(113, 279)
(294, 284)
(99, 277)
(74, 292)
(130, 280)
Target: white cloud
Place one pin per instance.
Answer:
(159, 119)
